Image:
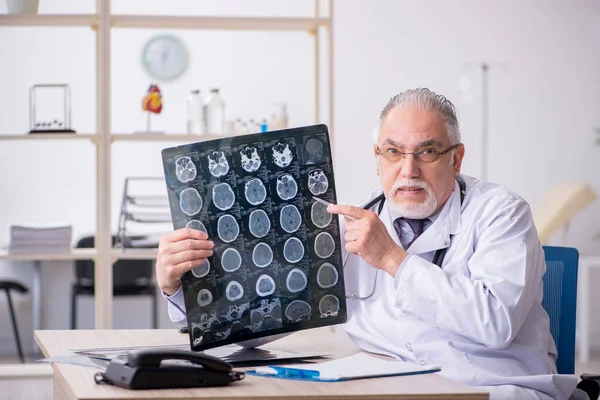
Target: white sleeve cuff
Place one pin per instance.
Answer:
(400, 271)
(176, 307)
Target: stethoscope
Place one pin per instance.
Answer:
(438, 258)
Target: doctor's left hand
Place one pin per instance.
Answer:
(367, 237)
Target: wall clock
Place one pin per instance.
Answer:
(164, 57)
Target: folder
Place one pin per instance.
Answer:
(357, 366)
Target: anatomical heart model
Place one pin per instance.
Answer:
(277, 263)
(152, 104)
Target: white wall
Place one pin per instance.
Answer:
(544, 82)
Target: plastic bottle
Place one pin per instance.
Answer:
(214, 112)
(278, 116)
(195, 113)
(264, 127)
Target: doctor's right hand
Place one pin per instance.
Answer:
(178, 252)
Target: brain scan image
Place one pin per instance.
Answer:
(227, 228)
(217, 164)
(314, 151)
(317, 182)
(255, 191)
(231, 260)
(290, 218)
(293, 250)
(266, 316)
(265, 285)
(234, 291)
(319, 215)
(296, 281)
(250, 159)
(287, 188)
(197, 225)
(282, 155)
(202, 270)
(297, 311)
(185, 170)
(327, 276)
(235, 312)
(262, 255)
(259, 223)
(223, 196)
(324, 245)
(190, 201)
(204, 297)
(206, 323)
(329, 305)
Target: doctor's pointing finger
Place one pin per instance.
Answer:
(367, 237)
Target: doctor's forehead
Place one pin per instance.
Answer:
(412, 125)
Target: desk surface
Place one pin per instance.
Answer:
(77, 382)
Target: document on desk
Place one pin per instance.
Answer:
(357, 366)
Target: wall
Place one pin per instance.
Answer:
(544, 97)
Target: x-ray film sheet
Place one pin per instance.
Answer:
(277, 263)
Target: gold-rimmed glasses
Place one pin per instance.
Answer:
(425, 155)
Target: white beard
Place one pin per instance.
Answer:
(413, 211)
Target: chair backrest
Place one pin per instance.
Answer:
(126, 273)
(560, 302)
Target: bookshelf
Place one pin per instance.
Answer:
(319, 26)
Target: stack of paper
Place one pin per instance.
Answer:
(24, 239)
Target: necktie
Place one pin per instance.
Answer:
(416, 225)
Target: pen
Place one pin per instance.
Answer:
(288, 372)
(322, 201)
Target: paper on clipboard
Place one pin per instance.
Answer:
(357, 366)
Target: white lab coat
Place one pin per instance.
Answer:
(480, 316)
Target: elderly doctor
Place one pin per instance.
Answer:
(440, 268)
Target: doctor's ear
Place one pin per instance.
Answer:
(376, 158)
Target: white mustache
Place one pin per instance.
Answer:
(409, 183)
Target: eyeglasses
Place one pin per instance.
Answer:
(426, 155)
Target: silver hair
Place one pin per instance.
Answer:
(427, 100)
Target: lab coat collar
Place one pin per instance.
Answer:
(437, 236)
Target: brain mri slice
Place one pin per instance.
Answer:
(296, 281)
(267, 316)
(317, 182)
(262, 255)
(290, 218)
(282, 155)
(185, 170)
(250, 159)
(297, 310)
(202, 270)
(265, 285)
(190, 201)
(314, 151)
(231, 260)
(287, 188)
(293, 250)
(217, 164)
(234, 291)
(329, 306)
(255, 191)
(327, 276)
(195, 224)
(324, 245)
(227, 228)
(319, 215)
(204, 297)
(259, 223)
(223, 196)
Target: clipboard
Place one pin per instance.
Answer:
(358, 366)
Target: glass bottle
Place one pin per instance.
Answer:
(214, 113)
(195, 113)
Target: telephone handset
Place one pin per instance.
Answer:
(158, 369)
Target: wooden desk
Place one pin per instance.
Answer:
(77, 382)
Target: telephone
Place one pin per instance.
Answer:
(159, 369)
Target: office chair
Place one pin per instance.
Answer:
(560, 302)
(130, 278)
(7, 286)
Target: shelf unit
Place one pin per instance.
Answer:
(102, 22)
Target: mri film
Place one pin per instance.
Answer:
(276, 265)
(255, 191)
